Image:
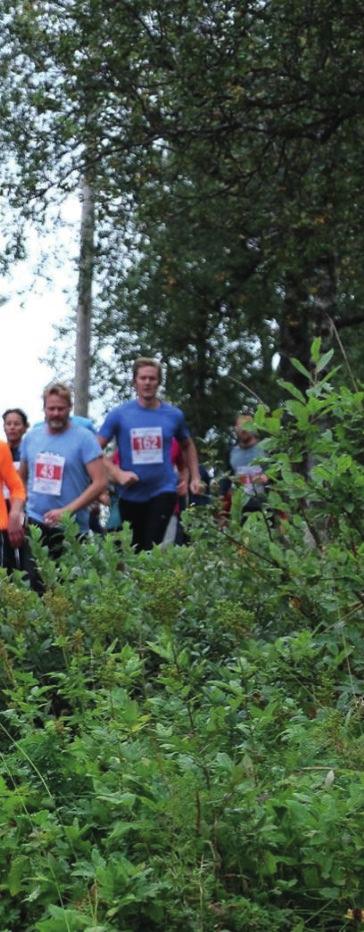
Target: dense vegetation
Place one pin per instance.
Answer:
(181, 731)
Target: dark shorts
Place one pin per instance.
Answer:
(148, 519)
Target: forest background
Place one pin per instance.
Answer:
(217, 149)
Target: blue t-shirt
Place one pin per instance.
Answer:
(144, 437)
(57, 469)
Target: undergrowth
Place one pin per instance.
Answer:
(181, 731)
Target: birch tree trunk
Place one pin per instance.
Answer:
(84, 299)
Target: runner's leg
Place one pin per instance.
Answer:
(52, 538)
(135, 514)
(157, 515)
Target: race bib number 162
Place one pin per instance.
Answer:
(146, 445)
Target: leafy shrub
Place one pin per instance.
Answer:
(181, 731)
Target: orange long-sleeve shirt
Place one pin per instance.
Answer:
(9, 475)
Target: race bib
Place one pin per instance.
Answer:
(48, 474)
(247, 475)
(146, 445)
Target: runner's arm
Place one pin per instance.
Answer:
(120, 476)
(97, 473)
(16, 522)
(23, 472)
(17, 496)
(115, 473)
(190, 453)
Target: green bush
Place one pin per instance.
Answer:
(181, 731)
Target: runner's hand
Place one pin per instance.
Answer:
(196, 486)
(53, 517)
(127, 477)
(16, 529)
(182, 487)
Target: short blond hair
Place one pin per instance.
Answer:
(60, 389)
(245, 422)
(242, 420)
(147, 361)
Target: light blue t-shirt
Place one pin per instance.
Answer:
(243, 464)
(57, 469)
(78, 420)
(144, 437)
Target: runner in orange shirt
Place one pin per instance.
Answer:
(10, 523)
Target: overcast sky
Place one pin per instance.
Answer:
(35, 302)
(26, 335)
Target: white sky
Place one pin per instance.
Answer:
(36, 301)
(26, 335)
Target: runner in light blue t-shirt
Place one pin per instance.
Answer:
(63, 468)
(57, 469)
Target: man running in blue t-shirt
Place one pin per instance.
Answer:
(144, 429)
(62, 466)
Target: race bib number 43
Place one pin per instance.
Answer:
(48, 474)
(146, 445)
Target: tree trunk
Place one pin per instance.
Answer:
(325, 297)
(294, 330)
(84, 302)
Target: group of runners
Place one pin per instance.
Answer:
(58, 467)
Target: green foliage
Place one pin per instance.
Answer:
(223, 142)
(181, 731)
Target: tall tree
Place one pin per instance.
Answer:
(231, 134)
